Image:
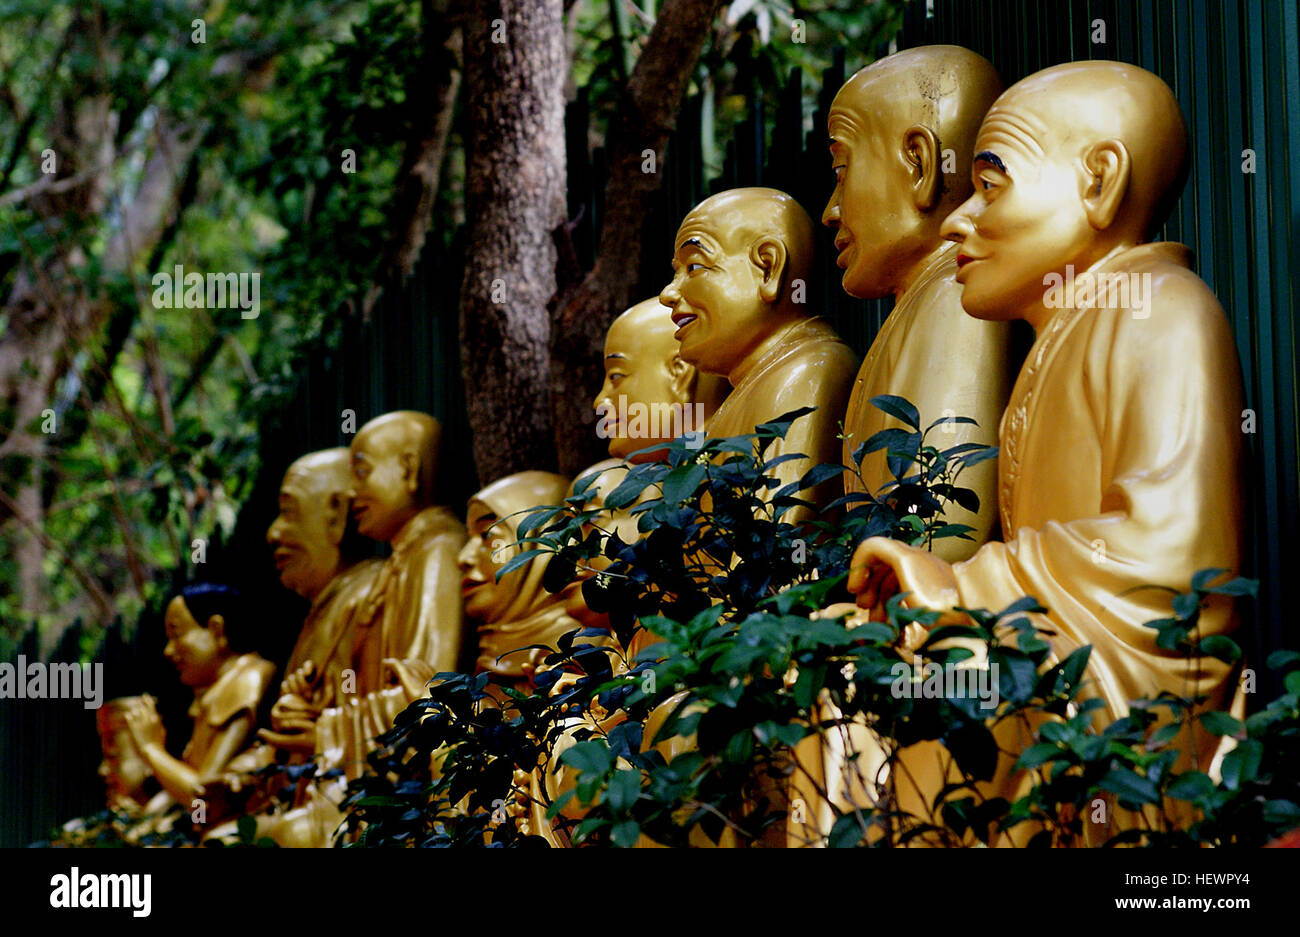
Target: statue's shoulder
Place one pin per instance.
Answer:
(1169, 300)
(354, 582)
(240, 688)
(440, 524)
(822, 347)
(937, 315)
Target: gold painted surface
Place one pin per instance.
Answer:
(650, 394)
(1120, 470)
(411, 612)
(516, 610)
(741, 263)
(902, 133)
(123, 768)
(227, 690)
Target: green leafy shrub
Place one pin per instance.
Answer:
(745, 669)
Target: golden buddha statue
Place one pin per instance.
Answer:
(402, 620)
(893, 126)
(316, 551)
(741, 263)
(1119, 475)
(317, 556)
(228, 687)
(125, 773)
(651, 394)
(514, 611)
(413, 611)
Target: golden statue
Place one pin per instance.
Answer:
(651, 394)
(316, 552)
(411, 613)
(902, 132)
(413, 610)
(514, 611)
(125, 772)
(741, 264)
(403, 622)
(1119, 475)
(228, 688)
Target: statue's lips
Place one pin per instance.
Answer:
(842, 246)
(467, 586)
(282, 557)
(682, 320)
(963, 262)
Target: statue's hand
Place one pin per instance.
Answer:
(293, 739)
(293, 713)
(144, 724)
(882, 568)
(856, 615)
(300, 683)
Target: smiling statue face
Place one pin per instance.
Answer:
(734, 259)
(1024, 220)
(1072, 163)
(643, 366)
(194, 650)
(306, 534)
(385, 478)
(488, 549)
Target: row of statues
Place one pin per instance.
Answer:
(1118, 475)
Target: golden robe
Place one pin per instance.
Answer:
(946, 363)
(329, 630)
(1120, 478)
(326, 640)
(238, 691)
(809, 367)
(411, 613)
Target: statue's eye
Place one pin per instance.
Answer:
(691, 268)
(616, 376)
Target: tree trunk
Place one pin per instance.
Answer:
(514, 78)
(645, 121)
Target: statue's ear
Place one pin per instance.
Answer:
(217, 625)
(410, 471)
(925, 163)
(768, 253)
(336, 517)
(1105, 177)
(681, 377)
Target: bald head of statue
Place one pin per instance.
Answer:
(646, 374)
(394, 463)
(741, 262)
(902, 131)
(1071, 164)
(311, 536)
